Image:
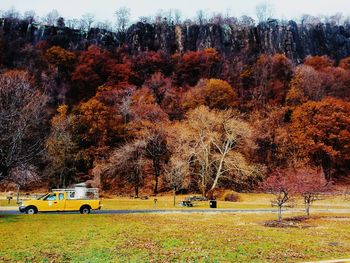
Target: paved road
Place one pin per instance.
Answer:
(182, 211)
(154, 211)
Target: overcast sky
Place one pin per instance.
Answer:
(104, 9)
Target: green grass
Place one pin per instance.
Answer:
(170, 238)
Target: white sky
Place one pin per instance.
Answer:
(104, 9)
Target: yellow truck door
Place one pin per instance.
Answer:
(53, 202)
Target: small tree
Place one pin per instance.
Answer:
(176, 172)
(23, 176)
(310, 184)
(279, 184)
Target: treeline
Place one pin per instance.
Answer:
(151, 120)
(122, 18)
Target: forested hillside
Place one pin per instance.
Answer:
(166, 105)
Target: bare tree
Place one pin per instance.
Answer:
(73, 23)
(307, 19)
(128, 162)
(156, 151)
(29, 16)
(123, 18)
(86, 21)
(177, 16)
(23, 176)
(246, 21)
(264, 11)
(214, 142)
(21, 119)
(12, 13)
(283, 189)
(201, 17)
(177, 170)
(51, 18)
(105, 25)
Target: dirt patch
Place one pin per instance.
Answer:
(292, 222)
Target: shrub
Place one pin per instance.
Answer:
(232, 196)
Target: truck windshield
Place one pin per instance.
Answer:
(42, 197)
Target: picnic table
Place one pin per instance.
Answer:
(186, 203)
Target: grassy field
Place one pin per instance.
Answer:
(170, 238)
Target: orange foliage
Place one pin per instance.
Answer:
(64, 60)
(319, 62)
(322, 131)
(102, 124)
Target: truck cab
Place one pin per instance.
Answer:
(61, 200)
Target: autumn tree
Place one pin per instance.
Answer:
(144, 112)
(61, 149)
(321, 130)
(275, 145)
(214, 93)
(147, 63)
(318, 62)
(64, 60)
(306, 85)
(193, 65)
(22, 116)
(91, 71)
(100, 123)
(271, 75)
(158, 84)
(345, 63)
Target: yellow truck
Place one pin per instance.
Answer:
(61, 200)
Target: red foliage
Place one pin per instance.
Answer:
(147, 63)
(194, 65)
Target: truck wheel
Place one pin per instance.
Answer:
(31, 210)
(85, 209)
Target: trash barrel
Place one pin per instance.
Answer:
(213, 203)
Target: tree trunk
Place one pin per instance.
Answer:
(308, 209)
(218, 172)
(18, 187)
(156, 168)
(156, 185)
(280, 213)
(203, 188)
(137, 183)
(174, 195)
